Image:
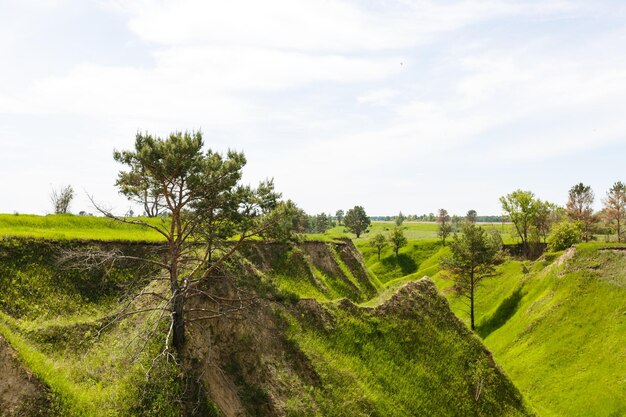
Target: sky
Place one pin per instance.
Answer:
(394, 105)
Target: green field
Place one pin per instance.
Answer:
(67, 226)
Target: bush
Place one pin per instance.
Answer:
(563, 235)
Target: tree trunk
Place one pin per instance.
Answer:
(472, 299)
(178, 330)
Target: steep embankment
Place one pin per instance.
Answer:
(557, 326)
(322, 270)
(289, 352)
(408, 356)
(50, 313)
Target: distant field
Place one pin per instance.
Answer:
(73, 227)
(69, 226)
(412, 230)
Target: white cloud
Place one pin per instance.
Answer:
(314, 90)
(339, 25)
(381, 97)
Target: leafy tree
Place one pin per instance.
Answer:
(206, 207)
(356, 221)
(521, 207)
(445, 228)
(399, 219)
(322, 223)
(397, 239)
(61, 199)
(379, 242)
(471, 216)
(474, 255)
(285, 222)
(339, 215)
(615, 206)
(547, 214)
(579, 208)
(564, 234)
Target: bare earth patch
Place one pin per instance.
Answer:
(21, 394)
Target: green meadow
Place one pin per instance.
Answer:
(68, 226)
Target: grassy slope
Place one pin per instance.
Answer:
(409, 356)
(49, 316)
(559, 330)
(386, 364)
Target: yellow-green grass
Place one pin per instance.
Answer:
(412, 231)
(51, 315)
(367, 364)
(67, 226)
(402, 364)
(558, 329)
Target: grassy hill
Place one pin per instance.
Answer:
(557, 326)
(301, 349)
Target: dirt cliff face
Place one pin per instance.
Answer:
(331, 270)
(21, 394)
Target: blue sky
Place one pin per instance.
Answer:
(391, 104)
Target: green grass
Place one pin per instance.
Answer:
(397, 364)
(414, 231)
(67, 226)
(559, 330)
(50, 315)
(368, 365)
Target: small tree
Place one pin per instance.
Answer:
(474, 255)
(579, 208)
(615, 206)
(397, 239)
(285, 222)
(521, 208)
(546, 215)
(399, 219)
(322, 222)
(339, 215)
(61, 199)
(471, 216)
(379, 242)
(356, 221)
(445, 228)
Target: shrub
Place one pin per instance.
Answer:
(563, 235)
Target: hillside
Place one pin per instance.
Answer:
(301, 348)
(557, 326)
